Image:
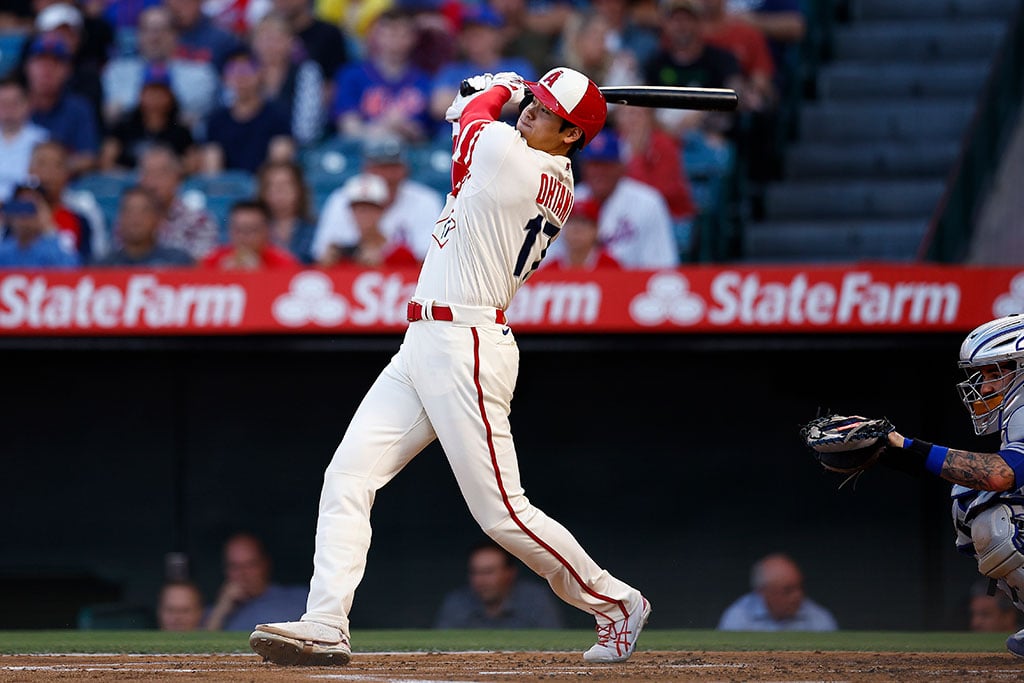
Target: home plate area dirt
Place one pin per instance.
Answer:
(525, 666)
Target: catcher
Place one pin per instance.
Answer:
(988, 491)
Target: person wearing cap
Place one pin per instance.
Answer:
(249, 131)
(481, 44)
(635, 224)
(454, 374)
(32, 240)
(408, 202)
(156, 119)
(367, 196)
(68, 117)
(250, 246)
(66, 21)
(582, 249)
(194, 83)
(18, 135)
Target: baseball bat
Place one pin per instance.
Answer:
(662, 97)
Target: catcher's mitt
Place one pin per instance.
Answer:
(847, 444)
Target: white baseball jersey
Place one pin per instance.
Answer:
(636, 227)
(454, 376)
(497, 224)
(402, 221)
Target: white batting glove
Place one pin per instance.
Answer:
(514, 83)
(478, 85)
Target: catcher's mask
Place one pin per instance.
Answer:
(993, 358)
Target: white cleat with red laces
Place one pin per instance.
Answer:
(617, 640)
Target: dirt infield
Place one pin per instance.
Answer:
(525, 666)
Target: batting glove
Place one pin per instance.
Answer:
(514, 83)
(471, 87)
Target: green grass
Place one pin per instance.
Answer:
(154, 642)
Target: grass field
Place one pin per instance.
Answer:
(156, 642)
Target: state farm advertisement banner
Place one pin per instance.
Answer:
(874, 298)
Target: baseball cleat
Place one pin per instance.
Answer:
(617, 640)
(301, 643)
(1015, 643)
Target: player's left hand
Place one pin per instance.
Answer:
(847, 444)
(471, 87)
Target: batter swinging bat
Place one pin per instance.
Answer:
(662, 97)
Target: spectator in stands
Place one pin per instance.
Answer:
(436, 32)
(193, 230)
(385, 93)
(354, 18)
(282, 187)
(589, 46)
(582, 248)
(991, 613)
(67, 117)
(194, 83)
(496, 598)
(750, 47)
(138, 232)
(18, 135)
(409, 201)
(635, 224)
(324, 43)
(654, 157)
(199, 39)
(685, 59)
(533, 29)
(76, 214)
(777, 601)
(248, 596)
(784, 25)
(250, 245)
(156, 119)
(631, 35)
(16, 16)
(32, 240)
(180, 607)
(367, 196)
(293, 83)
(65, 21)
(249, 131)
(124, 15)
(481, 47)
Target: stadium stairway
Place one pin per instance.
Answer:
(875, 146)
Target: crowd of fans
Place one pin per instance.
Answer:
(164, 91)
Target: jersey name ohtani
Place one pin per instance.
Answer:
(555, 196)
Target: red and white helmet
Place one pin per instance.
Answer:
(574, 97)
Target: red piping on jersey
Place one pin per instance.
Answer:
(504, 495)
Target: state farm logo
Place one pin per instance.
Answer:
(1012, 301)
(667, 299)
(310, 299)
(734, 298)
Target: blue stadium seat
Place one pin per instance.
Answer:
(334, 160)
(106, 184)
(234, 184)
(432, 166)
(10, 50)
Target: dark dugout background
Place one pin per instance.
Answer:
(674, 459)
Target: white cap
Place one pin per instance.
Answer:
(366, 188)
(58, 15)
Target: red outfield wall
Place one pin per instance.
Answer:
(857, 298)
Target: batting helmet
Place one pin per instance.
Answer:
(574, 97)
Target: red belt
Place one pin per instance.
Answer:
(415, 312)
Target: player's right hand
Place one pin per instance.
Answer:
(514, 83)
(470, 88)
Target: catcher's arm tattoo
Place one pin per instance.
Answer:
(982, 471)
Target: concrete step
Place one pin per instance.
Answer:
(915, 159)
(923, 9)
(850, 80)
(885, 120)
(904, 41)
(833, 240)
(878, 199)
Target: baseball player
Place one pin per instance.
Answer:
(988, 495)
(453, 377)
